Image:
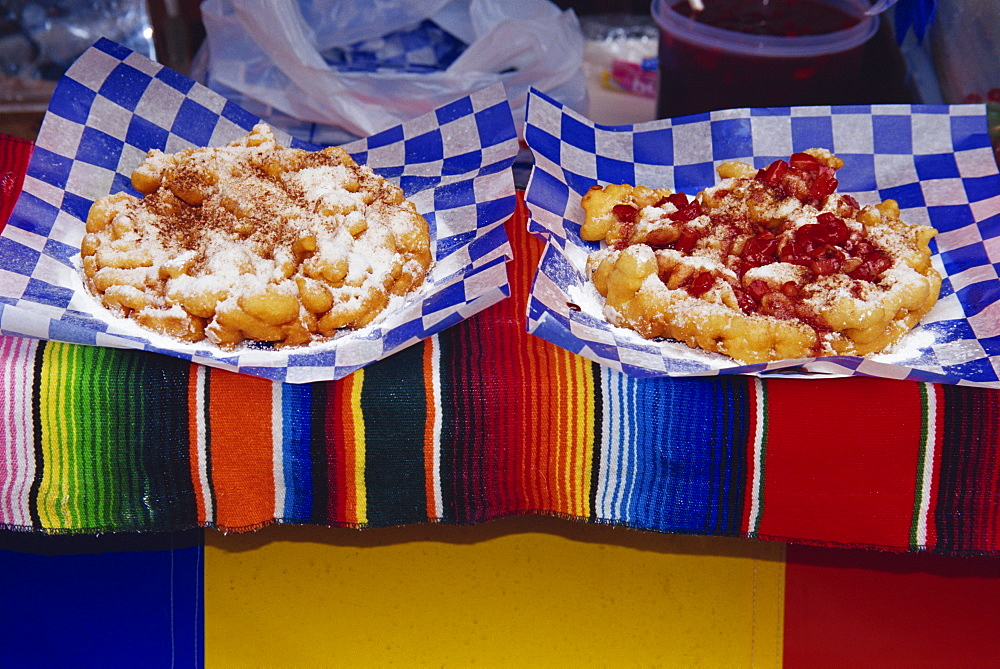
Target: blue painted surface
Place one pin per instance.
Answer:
(105, 601)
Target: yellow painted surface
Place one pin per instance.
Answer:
(523, 592)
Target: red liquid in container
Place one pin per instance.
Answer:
(742, 53)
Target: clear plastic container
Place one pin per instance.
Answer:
(704, 67)
(39, 39)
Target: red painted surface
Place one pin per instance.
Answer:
(857, 608)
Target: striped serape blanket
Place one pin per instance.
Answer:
(483, 421)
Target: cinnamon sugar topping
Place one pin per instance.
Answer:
(254, 241)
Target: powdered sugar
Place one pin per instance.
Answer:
(777, 273)
(251, 222)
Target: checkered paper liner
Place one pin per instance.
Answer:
(423, 48)
(113, 105)
(935, 160)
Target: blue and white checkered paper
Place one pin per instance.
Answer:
(114, 105)
(935, 160)
(426, 47)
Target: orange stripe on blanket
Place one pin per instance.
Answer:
(840, 468)
(240, 447)
(574, 442)
(556, 408)
(430, 432)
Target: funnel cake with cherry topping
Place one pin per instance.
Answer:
(768, 264)
(254, 241)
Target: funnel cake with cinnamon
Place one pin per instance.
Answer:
(768, 264)
(254, 241)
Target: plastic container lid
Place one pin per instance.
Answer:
(707, 36)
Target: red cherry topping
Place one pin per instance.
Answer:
(761, 250)
(678, 200)
(747, 303)
(872, 266)
(773, 173)
(625, 213)
(800, 251)
(824, 185)
(826, 265)
(688, 212)
(790, 289)
(757, 289)
(804, 161)
(834, 244)
(689, 237)
(701, 284)
(777, 304)
(861, 248)
(830, 229)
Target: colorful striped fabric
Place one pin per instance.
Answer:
(484, 421)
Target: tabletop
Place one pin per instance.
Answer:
(483, 421)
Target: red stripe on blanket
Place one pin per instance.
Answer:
(241, 448)
(512, 345)
(853, 483)
(341, 457)
(502, 393)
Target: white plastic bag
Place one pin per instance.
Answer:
(966, 47)
(268, 56)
